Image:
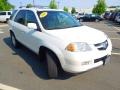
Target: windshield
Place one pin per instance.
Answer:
(57, 20)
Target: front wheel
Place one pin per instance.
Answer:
(51, 65)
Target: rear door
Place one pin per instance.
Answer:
(18, 26)
(2, 16)
(8, 13)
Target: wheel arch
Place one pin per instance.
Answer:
(56, 52)
(11, 31)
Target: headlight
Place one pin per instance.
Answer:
(78, 47)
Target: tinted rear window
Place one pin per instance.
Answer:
(2, 13)
(9, 13)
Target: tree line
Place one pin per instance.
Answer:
(99, 8)
(5, 5)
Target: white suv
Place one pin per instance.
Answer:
(56, 36)
(4, 16)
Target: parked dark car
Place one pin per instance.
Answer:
(117, 18)
(112, 16)
(107, 15)
(90, 17)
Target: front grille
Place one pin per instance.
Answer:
(102, 46)
(100, 59)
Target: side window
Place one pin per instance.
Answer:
(119, 14)
(2, 13)
(30, 17)
(20, 17)
(93, 15)
(12, 15)
(87, 15)
(9, 13)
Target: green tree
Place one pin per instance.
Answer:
(73, 11)
(94, 10)
(29, 5)
(100, 7)
(53, 4)
(5, 5)
(65, 9)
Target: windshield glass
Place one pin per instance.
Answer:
(57, 20)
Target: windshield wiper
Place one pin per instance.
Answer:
(75, 26)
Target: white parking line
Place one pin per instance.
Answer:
(115, 38)
(5, 87)
(1, 32)
(116, 28)
(115, 53)
(110, 31)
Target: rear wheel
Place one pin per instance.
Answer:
(51, 65)
(15, 43)
(7, 20)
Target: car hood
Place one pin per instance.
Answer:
(79, 34)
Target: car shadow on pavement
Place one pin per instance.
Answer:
(118, 33)
(38, 67)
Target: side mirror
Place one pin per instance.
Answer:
(32, 25)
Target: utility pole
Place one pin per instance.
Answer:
(33, 3)
(58, 4)
(20, 4)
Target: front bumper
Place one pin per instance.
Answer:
(76, 62)
(86, 65)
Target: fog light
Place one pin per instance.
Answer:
(86, 63)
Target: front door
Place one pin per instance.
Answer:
(31, 36)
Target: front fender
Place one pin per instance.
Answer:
(57, 52)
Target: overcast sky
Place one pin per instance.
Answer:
(62, 3)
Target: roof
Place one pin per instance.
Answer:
(5, 11)
(39, 9)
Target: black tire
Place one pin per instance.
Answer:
(14, 41)
(42, 55)
(7, 20)
(52, 67)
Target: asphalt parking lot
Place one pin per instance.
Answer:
(21, 69)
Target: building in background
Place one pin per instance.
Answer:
(89, 10)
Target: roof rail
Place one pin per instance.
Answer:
(36, 6)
